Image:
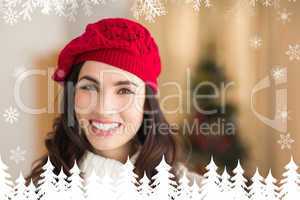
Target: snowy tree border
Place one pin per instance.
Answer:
(163, 187)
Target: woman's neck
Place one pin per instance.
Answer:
(120, 154)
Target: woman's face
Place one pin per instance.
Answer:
(109, 104)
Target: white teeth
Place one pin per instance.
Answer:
(105, 127)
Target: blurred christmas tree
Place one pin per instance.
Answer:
(213, 129)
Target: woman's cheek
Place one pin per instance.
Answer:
(85, 102)
(131, 104)
(124, 103)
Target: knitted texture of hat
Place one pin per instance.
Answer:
(120, 42)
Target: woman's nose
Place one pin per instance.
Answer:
(106, 104)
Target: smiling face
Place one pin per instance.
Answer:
(109, 105)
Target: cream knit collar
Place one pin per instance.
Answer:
(112, 167)
(103, 165)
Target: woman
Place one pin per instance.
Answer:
(110, 112)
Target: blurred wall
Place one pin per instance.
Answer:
(32, 45)
(183, 35)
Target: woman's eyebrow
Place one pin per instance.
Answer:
(89, 78)
(125, 82)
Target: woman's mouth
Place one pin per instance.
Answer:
(103, 129)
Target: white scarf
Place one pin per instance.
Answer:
(102, 165)
(112, 167)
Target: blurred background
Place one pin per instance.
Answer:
(249, 49)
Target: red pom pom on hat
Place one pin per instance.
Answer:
(120, 42)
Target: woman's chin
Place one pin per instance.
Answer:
(104, 142)
(103, 145)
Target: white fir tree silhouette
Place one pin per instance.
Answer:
(31, 192)
(226, 186)
(184, 190)
(20, 188)
(92, 186)
(164, 186)
(5, 184)
(211, 183)
(195, 191)
(213, 186)
(75, 183)
(62, 185)
(107, 189)
(257, 188)
(239, 184)
(144, 188)
(127, 183)
(290, 183)
(271, 187)
(47, 183)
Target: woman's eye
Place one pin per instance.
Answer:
(125, 91)
(89, 87)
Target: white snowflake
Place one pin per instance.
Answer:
(242, 7)
(87, 7)
(293, 52)
(284, 16)
(137, 9)
(285, 141)
(253, 2)
(17, 155)
(27, 10)
(283, 114)
(255, 42)
(267, 3)
(59, 7)
(46, 7)
(279, 73)
(71, 10)
(66, 8)
(197, 4)
(10, 16)
(11, 115)
(148, 8)
(12, 3)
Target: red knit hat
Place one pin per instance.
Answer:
(120, 42)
